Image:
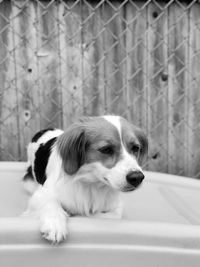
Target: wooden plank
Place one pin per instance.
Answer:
(70, 61)
(194, 93)
(8, 125)
(157, 86)
(49, 96)
(26, 74)
(136, 62)
(19, 69)
(9, 90)
(93, 59)
(178, 30)
(115, 56)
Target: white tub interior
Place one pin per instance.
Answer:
(160, 227)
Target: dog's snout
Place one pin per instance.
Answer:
(135, 178)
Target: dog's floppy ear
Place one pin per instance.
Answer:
(72, 147)
(143, 144)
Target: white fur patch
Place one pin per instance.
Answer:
(114, 120)
(30, 186)
(49, 135)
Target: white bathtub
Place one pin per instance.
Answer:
(160, 228)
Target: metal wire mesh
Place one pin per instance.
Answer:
(140, 59)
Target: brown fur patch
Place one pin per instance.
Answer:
(132, 135)
(82, 141)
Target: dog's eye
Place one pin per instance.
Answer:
(135, 149)
(108, 150)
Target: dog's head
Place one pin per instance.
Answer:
(104, 149)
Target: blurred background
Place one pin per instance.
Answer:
(140, 59)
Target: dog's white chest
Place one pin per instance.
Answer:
(82, 199)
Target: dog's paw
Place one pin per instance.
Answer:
(54, 228)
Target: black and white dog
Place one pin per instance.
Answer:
(82, 170)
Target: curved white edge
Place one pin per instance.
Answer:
(13, 166)
(85, 231)
(150, 177)
(170, 179)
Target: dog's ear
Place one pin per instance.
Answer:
(72, 147)
(142, 138)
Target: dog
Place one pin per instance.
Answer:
(81, 171)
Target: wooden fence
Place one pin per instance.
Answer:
(139, 59)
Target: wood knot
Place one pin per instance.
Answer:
(27, 114)
(164, 77)
(155, 14)
(156, 155)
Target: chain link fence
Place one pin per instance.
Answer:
(141, 59)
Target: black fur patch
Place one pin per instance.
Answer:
(41, 160)
(40, 133)
(28, 175)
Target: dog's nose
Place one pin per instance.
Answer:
(135, 178)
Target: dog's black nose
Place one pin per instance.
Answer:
(135, 178)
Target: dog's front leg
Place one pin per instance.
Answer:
(52, 217)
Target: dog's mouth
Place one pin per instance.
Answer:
(125, 188)
(128, 188)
